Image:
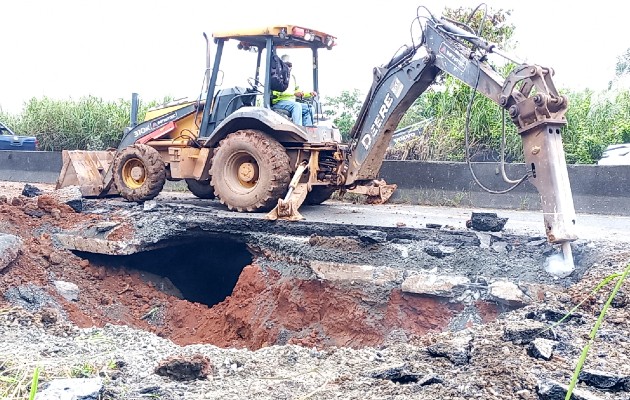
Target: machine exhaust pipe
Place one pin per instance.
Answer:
(207, 75)
(133, 121)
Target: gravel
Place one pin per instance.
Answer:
(480, 361)
(126, 359)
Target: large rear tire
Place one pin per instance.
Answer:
(319, 194)
(250, 171)
(201, 189)
(139, 173)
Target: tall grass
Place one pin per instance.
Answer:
(88, 123)
(595, 120)
(34, 383)
(18, 381)
(593, 333)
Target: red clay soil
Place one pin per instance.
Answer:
(265, 308)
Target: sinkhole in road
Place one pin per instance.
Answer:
(202, 271)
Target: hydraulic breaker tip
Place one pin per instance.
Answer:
(568, 256)
(561, 265)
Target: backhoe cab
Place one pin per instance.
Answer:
(228, 143)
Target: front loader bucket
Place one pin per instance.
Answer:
(87, 170)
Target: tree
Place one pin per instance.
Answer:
(495, 28)
(622, 71)
(623, 64)
(344, 109)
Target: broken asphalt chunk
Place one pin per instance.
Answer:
(508, 293)
(456, 349)
(105, 226)
(487, 222)
(429, 379)
(541, 348)
(620, 300)
(523, 332)
(149, 205)
(389, 372)
(605, 380)
(34, 212)
(551, 390)
(372, 236)
(398, 373)
(154, 391)
(434, 284)
(67, 290)
(439, 251)
(10, 247)
(550, 315)
(31, 191)
(70, 195)
(29, 297)
(185, 368)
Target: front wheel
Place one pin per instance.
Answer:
(250, 171)
(139, 172)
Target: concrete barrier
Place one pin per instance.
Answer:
(596, 189)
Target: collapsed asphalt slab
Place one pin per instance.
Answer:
(131, 228)
(438, 277)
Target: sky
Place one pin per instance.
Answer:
(68, 48)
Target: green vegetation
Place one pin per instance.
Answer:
(621, 278)
(34, 383)
(18, 381)
(84, 370)
(89, 123)
(344, 109)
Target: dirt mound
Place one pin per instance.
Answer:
(265, 308)
(404, 351)
(104, 295)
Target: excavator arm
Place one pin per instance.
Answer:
(528, 94)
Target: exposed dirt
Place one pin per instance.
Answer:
(265, 307)
(271, 307)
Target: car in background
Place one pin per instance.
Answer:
(10, 141)
(616, 154)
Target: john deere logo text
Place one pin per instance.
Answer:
(370, 136)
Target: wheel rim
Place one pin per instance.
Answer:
(134, 173)
(241, 172)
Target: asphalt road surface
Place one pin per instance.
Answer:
(588, 226)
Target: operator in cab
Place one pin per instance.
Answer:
(301, 112)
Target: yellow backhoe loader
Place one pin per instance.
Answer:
(254, 159)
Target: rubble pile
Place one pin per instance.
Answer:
(370, 315)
